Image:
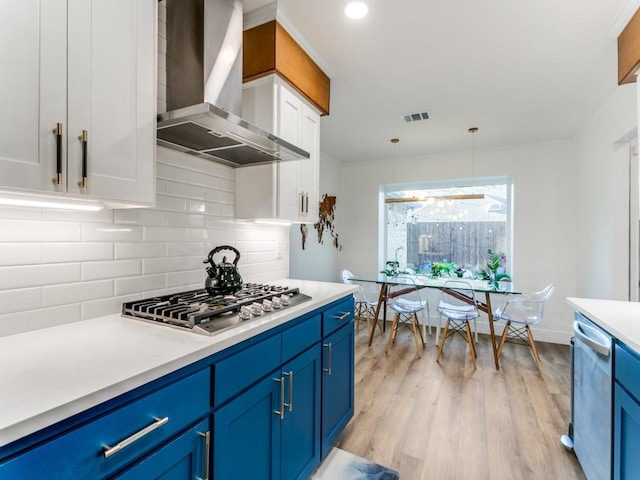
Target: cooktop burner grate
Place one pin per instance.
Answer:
(206, 313)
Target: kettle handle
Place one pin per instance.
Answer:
(219, 249)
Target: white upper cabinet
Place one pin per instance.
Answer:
(85, 69)
(282, 190)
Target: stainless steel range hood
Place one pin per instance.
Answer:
(204, 88)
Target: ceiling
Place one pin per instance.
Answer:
(522, 71)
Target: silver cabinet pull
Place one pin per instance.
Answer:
(158, 422)
(281, 411)
(342, 316)
(290, 404)
(207, 445)
(328, 346)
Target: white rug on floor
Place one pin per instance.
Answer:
(341, 465)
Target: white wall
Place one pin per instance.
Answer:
(602, 223)
(545, 211)
(319, 261)
(61, 266)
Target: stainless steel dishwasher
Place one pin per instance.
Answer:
(591, 398)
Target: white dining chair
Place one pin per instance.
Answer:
(521, 312)
(459, 306)
(407, 307)
(364, 305)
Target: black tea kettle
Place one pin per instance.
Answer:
(223, 278)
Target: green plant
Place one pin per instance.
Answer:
(438, 269)
(494, 260)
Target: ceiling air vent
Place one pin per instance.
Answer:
(415, 117)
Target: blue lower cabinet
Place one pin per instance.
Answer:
(337, 385)
(272, 431)
(246, 434)
(184, 458)
(300, 440)
(626, 431)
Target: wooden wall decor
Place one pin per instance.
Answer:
(326, 221)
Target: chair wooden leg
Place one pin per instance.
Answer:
(416, 329)
(394, 327)
(442, 339)
(472, 348)
(438, 328)
(532, 344)
(422, 334)
(503, 338)
(475, 329)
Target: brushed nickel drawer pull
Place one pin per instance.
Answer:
(290, 404)
(158, 422)
(329, 347)
(207, 446)
(342, 316)
(282, 404)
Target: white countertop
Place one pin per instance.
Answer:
(50, 374)
(620, 319)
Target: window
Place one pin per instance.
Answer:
(448, 225)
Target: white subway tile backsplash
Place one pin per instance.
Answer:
(25, 276)
(20, 299)
(126, 286)
(107, 306)
(20, 253)
(139, 250)
(62, 266)
(39, 231)
(109, 232)
(139, 216)
(20, 213)
(183, 190)
(184, 220)
(76, 292)
(180, 279)
(111, 269)
(164, 234)
(171, 204)
(184, 249)
(76, 252)
(20, 322)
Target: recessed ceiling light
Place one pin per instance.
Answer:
(356, 10)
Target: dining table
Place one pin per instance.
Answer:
(411, 282)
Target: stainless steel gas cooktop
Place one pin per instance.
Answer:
(207, 314)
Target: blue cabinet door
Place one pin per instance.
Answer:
(626, 430)
(337, 384)
(184, 458)
(301, 424)
(246, 441)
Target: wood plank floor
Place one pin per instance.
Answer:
(433, 421)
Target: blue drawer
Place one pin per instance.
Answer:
(300, 337)
(337, 316)
(234, 374)
(80, 453)
(627, 369)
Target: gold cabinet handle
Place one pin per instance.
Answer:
(57, 133)
(84, 138)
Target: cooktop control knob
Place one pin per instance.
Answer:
(256, 309)
(285, 300)
(267, 305)
(275, 301)
(245, 312)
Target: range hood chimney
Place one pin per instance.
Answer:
(204, 88)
